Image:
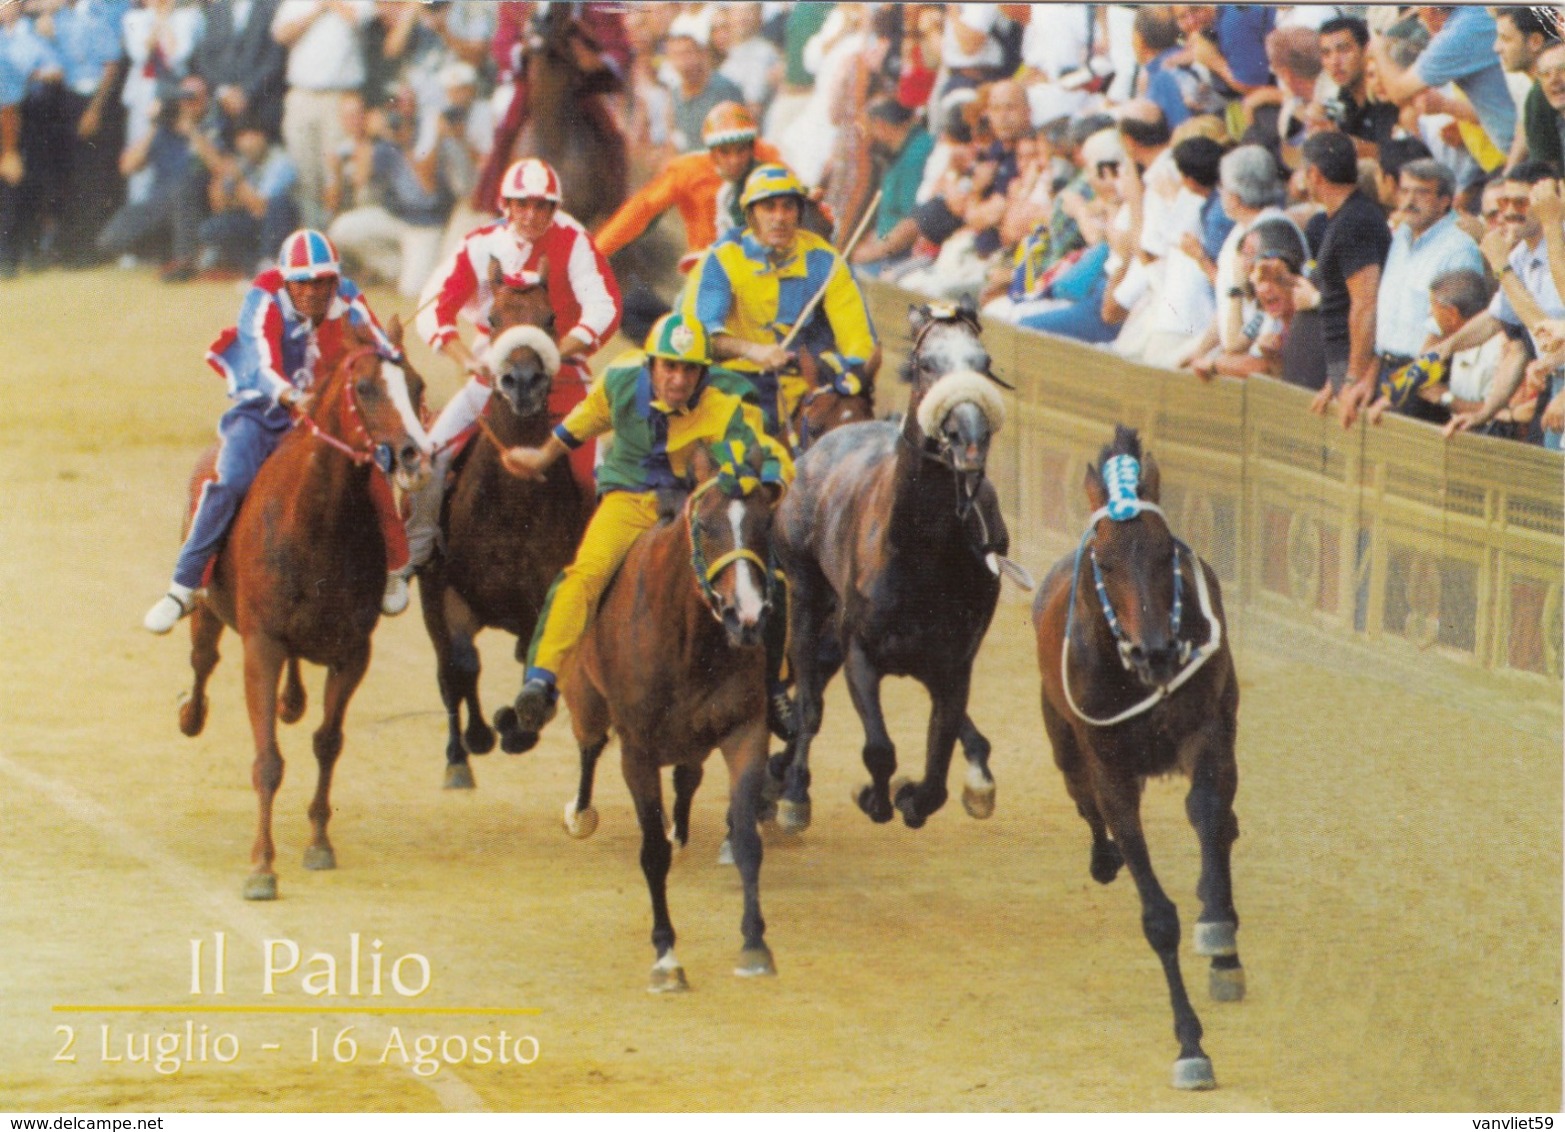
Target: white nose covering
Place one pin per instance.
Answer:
(750, 601)
(397, 387)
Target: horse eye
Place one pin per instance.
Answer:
(365, 388)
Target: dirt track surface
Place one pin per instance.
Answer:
(1398, 872)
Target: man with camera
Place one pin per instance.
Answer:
(1343, 53)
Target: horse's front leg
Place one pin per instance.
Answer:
(264, 659)
(880, 754)
(1214, 780)
(948, 711)
(205, 629)
(341, 681)
(640, 768)
(978, 789)
(687, 780)
(745, 754)
(809, 654)
(1119, 796)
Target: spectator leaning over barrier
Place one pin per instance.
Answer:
(903, 146)
(1350, 108)
(1551, 84)
(1460, 51)
(1186, 306)
(1462, 385)
(1521, 36)
(1547, 373)
(1517, 253)
(1425, 245)
(1347, 272)
(1251, 191)
(1281, 338)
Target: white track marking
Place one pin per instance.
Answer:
(244, 919)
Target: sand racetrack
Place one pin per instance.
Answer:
(1398, 873)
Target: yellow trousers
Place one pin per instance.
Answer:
(567, 611)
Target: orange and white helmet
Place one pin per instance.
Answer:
(727, 123)
(531, 179)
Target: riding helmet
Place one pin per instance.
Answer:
(771, 181)
(531, 179)
(679, 339)
(308, 254)
(727, 123)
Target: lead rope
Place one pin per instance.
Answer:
(1196, 657)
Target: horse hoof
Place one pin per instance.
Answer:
(459, 776)
(513, 740)
(1226, 984)
(1216, 938)
(1106, 862)
(667, 978)
(864, 798)
(261, 886)
(478, 738)
(320, 857)
(1194, 1073)
(792, 817)
(725, 852)
(904, 796)
(978, 803)
(766, 811)
(580, 824)
(192, 717)
(754, 961)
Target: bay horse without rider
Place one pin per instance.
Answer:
(504, 539)
(674, 661)
(889, 538)
(1138, 681)
(302, 573)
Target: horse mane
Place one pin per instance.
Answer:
(1126, 442)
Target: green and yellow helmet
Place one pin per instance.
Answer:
(771, 181)
(679, 339)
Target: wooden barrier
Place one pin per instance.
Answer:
(1442, 554)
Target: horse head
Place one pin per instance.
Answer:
(1135, 562)
(729, 515)
(955, 407)
(522, 354)
(366, 408)
(551, 32)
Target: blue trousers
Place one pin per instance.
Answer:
(1083, 283)
(246, 438)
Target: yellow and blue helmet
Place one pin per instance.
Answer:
(771, 181)
(679, 339)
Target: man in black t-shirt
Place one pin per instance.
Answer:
(1368, 121)
(1347, 272)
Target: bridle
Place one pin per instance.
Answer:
(360, 446)
(1191, 658)
(708, 573)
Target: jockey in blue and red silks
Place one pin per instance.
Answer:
(291, 317)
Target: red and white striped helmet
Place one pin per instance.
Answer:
(531, 179)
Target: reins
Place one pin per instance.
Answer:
(372, 452)
(1191, 657)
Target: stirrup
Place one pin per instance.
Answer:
(166, 613)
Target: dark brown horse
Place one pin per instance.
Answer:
(823, 409)
(888, 539)
(504, 539)
(674, 662)
(1138, 681)
(302, 573)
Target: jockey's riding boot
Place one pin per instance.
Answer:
(169, 609)
(535, 705)
(395, 599)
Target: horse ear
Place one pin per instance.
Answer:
(968, 312)
(496, 275)
(394, 329)
(917, 316)
(702, 466)
(1097, 493)
(1151, 486)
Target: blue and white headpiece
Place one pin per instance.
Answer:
(1121, 475)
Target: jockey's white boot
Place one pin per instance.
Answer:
(395, 599)
(169, 609)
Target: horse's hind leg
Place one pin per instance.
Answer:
(809, 606)
(687, 780)
(745, 753)
(1120, 798)
(1214, 779)
(290, 707)
(205, 629)
(880, 754)
(978, 790)
(646, 792)
(340, 685)
(264, 659)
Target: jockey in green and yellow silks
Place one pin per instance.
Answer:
(752, 286)
(661, 404)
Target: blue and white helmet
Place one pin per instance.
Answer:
(307, 254)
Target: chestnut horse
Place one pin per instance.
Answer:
(674, 662)
(302, 573)
(889, 539)
(823, 409)
(504, 539)
(1138, 681)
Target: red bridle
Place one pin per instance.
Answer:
(359, 446)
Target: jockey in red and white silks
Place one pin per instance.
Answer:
(582, 290)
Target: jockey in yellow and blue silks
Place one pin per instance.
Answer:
(754, 283)
(660, 403)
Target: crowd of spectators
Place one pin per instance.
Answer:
(1361, 199)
